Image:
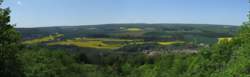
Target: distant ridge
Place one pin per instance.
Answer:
(112, 24)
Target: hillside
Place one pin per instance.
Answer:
(124, 50)
(135, 50)
(146, 38)
(136, 31)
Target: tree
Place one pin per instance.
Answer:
(9, 65)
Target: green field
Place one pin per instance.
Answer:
(170, 42)
(43, 39)
(100, 43)
(90, 44)
(104, 39)
(134, 29)
(224, 39)
(103, 43)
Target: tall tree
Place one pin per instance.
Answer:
(9, 65)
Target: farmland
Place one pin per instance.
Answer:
(43, 39)
(134, 29)
(124, 36)
(170, 43)
(127, 48)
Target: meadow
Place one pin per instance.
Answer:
(43, 39)
(125, 51)
(100, 43)
(119, 50)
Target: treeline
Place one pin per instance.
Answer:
(229, 58)
(199, 33)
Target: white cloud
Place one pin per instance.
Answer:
(19, 3)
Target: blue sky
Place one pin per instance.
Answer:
(41, 13)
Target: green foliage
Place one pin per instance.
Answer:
(9, 38)
(227, 58)
(40, 62)
(238, 65)
(197, 33)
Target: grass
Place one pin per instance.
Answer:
(224, 39)
(102, 43)
(170, 42)
(134, 29)
(89, 44)
(43, 39)
(105, 39)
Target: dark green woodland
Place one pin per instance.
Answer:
(124, 50)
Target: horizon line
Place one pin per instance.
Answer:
(122, 24)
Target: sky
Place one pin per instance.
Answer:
(43, 13)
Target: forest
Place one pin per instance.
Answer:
(124, 50)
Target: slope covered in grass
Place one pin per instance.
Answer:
(43, 39)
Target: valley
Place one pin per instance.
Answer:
(124, 37)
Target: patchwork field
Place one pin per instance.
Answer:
(90, 44)
(170, 42)
(43, 39)
(130, 37)
(100, 43)
(134, 29)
